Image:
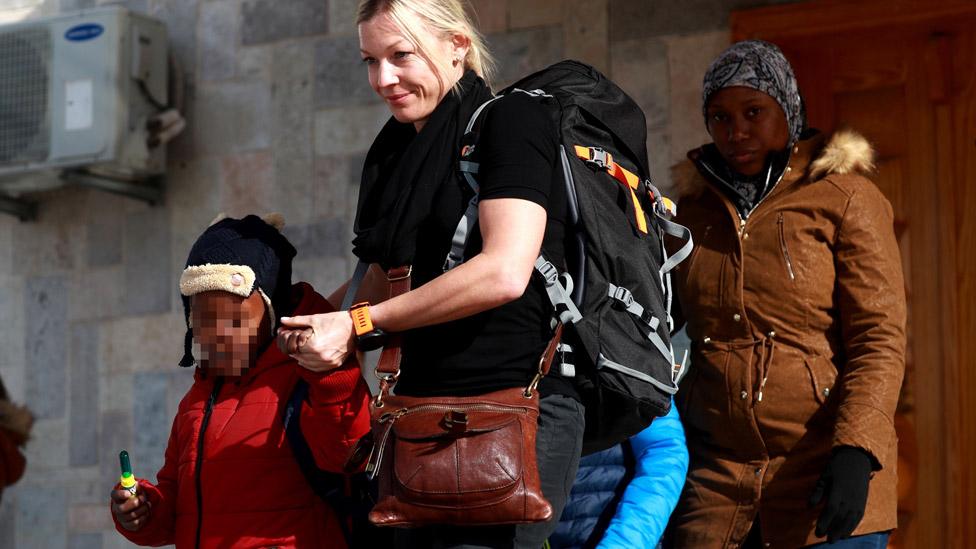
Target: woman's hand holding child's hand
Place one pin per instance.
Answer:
(317, 342)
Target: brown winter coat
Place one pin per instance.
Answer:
(808, 293)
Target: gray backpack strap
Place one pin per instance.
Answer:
(559, 288)
(468, 169)
(626, 299)
(670, 227)
(354, 283)
(460, 239)
(566, 368)
(678, 231)
(533, 93)
(604, 362)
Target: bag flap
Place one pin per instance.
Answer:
(450, 423)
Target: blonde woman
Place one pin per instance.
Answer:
(481, 326)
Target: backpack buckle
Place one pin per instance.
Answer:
(623, 296)
(549, 272)
(600, 158)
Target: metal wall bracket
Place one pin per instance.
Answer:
(149, 190)
(21, 209)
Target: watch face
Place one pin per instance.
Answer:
(371, 340)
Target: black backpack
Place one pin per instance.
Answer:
(351, 496)
(615, 291)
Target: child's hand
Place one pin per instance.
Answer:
(131, 512)
(290, 341)
(325, 348)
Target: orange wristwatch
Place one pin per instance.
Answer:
(368, 337)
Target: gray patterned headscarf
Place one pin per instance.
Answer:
(761, 66)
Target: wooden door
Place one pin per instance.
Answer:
(903, 73)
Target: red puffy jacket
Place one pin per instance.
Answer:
(252, 492)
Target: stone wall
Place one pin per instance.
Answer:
(280, 116)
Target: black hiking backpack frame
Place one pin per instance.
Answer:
(616, 291)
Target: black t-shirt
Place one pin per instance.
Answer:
(499, 348)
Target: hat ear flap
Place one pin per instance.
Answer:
(271, 311)
(274, 219)
(188, 359)
(220, 217)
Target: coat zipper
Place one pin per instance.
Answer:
(782, 245)
(203, 429)
(742, 220)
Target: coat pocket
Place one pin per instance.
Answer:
(705, 409)
(784, 248)
(823, 376)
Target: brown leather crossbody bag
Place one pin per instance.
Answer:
(455, 460)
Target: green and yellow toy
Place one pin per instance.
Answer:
(127, 480)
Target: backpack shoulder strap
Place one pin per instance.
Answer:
(328, 486)
(468, 169)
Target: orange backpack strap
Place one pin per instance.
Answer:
(604, 160)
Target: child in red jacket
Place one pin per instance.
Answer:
(230, 478)
(15, 426)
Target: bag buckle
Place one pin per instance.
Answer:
(549, 273)
(455, 422)
(399, 273)
(600, 158)
(623, 296)
(385, 381)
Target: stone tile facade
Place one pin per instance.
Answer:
(280, 116)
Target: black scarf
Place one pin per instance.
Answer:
(404, 171)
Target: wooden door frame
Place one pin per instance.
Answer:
(947, 489)
(837, 16)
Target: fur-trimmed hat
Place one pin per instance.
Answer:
(239, 256)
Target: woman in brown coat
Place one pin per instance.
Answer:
(795, 306)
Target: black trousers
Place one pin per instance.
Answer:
(558, 444)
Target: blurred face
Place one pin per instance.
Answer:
(398, 73)
(746, 126)
(230, 330)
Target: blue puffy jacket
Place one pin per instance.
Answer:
(623, 496)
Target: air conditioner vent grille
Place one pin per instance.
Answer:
(24, 89)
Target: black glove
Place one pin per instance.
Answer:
(845, 484)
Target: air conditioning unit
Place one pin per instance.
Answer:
(76, 91)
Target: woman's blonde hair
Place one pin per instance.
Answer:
(443, 18)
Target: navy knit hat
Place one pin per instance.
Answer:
(239, 256)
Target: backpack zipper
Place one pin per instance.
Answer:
(782, 245)
(203, 429)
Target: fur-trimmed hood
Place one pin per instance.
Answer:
(846, 152)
